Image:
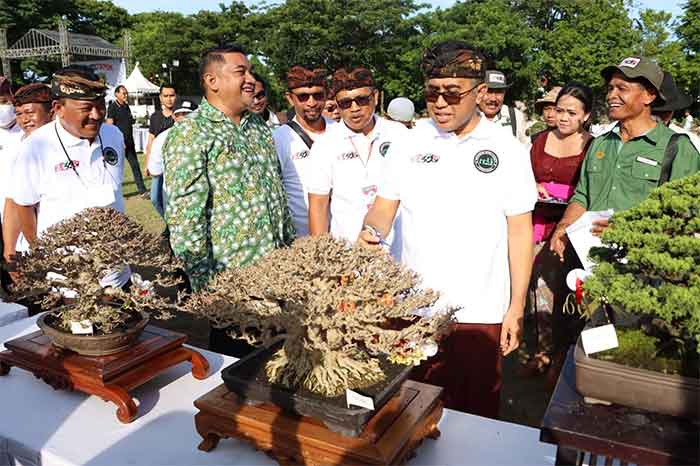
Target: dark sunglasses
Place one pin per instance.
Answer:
(361, 100)
(452, 98)
(304, 96)
(260, 95)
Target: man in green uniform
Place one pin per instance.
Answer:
(623, 165)
(226, 204)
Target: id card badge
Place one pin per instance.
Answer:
(370, 194)
(100, 195)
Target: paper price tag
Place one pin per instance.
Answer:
(81, 328)
(355, 399)
(599, 339)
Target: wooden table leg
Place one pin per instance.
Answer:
(567, 457)
(126, 408)
(4, 368)
(200, 365)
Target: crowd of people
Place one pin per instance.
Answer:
(454, 197)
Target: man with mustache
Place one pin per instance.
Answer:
(226, 204)
(493, 109)
(623, 165)
(466, 193)
(349, 159)
(307, 95)
(73, 163)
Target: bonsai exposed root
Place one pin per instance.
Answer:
(327, 373)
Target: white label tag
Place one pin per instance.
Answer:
(599, 339)
(355, 399)
(100, 195)
(82, 327)
(651, 162)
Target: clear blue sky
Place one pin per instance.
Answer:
(192, 6)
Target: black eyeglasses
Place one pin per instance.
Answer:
(452, 98)
(260, 95)
(304, 96)
(361, 100)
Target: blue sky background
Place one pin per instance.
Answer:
(193, 6)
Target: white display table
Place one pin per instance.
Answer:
(10, 312)
(42, 426)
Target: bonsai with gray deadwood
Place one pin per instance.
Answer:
(342, 308)
(77, 253)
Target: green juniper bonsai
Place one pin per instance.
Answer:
(650, 264)
(342, 307)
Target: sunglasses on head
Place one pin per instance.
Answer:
(260, 95)
(361, 100)
(304, 96)
(451, 97)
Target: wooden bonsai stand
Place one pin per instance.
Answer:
(391, 437)
(109, 377)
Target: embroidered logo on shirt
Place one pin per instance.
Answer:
(486, 161)
(110, 156)
(426, 158)
(384, 148)
(65, 166)
(348, 156)
(300, 155)
(600, 154)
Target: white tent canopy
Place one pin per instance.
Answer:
(137, 83)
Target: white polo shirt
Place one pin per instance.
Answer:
(351, 165)
(295, 160)
(10, 140)
(456, 195)
(43, 173)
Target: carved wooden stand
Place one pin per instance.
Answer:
(109, 377)
(391, 437)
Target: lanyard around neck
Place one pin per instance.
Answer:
(70, 161)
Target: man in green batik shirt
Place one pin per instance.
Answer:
(623, 165)
(226, 206)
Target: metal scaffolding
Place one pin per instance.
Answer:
(61, 44)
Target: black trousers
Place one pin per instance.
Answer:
(135, 168)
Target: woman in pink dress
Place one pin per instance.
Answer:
(556, 158)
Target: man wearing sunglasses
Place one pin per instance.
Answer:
(348, 161)
(307, 95)
(466, 192)
(261, 102)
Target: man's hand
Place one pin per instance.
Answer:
(542, 191)
(558, 241)
(146, 172)
(599, 226)
(368, 239)
(511, 330)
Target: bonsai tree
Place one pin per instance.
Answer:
(342, 308)
(650, 264)
(95, 245)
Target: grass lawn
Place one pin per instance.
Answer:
(138, 207)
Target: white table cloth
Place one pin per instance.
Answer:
(41, 426)
(10, 312)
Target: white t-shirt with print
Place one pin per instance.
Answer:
(456, 195)
(351, 165)
(10, 140)
(43, 173)
(295, 160)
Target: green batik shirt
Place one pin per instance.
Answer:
(226, 206)
(619, 176)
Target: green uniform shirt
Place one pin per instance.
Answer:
(617, 175)
(225, 205)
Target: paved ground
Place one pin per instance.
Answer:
(523, 400)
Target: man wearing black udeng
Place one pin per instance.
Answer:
(119, 115)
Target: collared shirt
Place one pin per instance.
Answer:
(43, 173)
(619, 175)
(502, 119)
(295, 160)
(351, 164)
(226, 204)
(456, 196)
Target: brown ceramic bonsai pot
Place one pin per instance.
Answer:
(93, 345)
(637, 388)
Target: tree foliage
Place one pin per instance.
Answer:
(563, 39)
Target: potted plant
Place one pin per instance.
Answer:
(347, 315)
(83, 266)
(650, 267)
